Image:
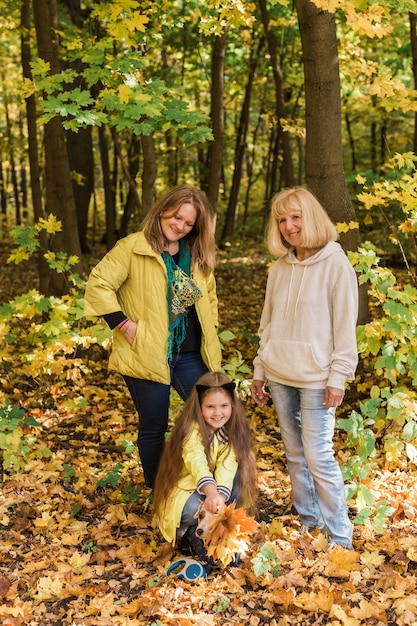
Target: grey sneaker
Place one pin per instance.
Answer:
(333, 544)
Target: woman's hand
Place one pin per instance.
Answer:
(258, 392)
(333, 397)
(129, 331)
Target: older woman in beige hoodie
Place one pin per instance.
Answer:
(307, 352)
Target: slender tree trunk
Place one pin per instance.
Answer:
(240, 147)
(217, 119)
(131, 204)
(351, 142)
(3, 202)
(11, 150)
(33, 148)
(413, 39)
(59, 195)
(23, 184)
(282, 138)
(374, 164)
(126, 171)
(81, 161)
(150, 169)
(109, 197)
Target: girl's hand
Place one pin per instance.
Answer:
(258, 392)
(129, 331)
(214, 503)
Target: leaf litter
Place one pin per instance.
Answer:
(76, 553)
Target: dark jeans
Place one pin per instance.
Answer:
(152, 404)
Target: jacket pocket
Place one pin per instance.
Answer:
(139, 331)
(292, 361)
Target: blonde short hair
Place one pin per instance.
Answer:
(317, 230)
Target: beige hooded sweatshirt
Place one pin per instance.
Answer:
(308, 324)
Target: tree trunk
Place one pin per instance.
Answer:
(131, 205)
(11, 149)
(217, 118)
(150, 169)
(280, 109)
(109, 197)
(33, 147)
(59, 195)
(413, 39)
(3, 199)
(81, 161)
(240, 147)
(324, 156)
(23, 174)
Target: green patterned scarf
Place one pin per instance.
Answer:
(178, 281)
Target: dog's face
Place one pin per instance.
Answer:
(226, 533)
(210, 526)
(204, 521)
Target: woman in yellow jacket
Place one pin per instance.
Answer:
(156, 289)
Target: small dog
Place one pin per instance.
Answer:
(225, 534)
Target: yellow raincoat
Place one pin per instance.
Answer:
(195, 468)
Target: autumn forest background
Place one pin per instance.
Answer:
(105, 105)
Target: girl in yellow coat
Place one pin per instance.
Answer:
(208, 458)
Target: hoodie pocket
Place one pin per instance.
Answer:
(292, 362)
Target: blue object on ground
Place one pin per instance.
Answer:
(191, 569)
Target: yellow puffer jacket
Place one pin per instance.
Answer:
(133, 278)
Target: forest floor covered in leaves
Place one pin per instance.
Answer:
(77, 542)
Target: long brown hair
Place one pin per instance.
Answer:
(239, 439)
(200, 239)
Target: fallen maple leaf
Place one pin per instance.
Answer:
(48, 588)
(340, 562)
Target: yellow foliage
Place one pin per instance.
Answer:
(124, 93)
(343, 227)
(48, 588)
(51, 225)
(79, 560)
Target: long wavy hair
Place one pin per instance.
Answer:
(239, 439)
(200, 239)
(317, 230)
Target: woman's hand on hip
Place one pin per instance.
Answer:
(259, 395)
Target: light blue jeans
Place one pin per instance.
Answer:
(307, 429)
